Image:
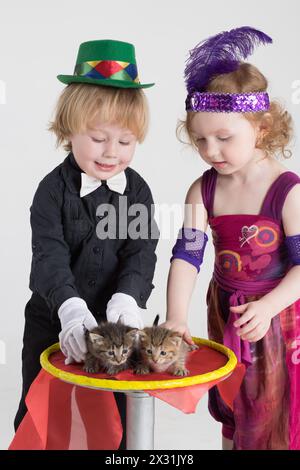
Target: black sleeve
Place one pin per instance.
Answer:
(51, 276)
(137, 256)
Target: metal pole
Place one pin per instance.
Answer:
(139, 421)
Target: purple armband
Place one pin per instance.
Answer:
(190, 246)
(293, 246)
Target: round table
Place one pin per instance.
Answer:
(140, 405)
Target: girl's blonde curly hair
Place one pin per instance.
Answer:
(275, 124)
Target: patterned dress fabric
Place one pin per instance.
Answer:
(251, 259)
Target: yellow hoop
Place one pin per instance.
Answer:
(85, 381)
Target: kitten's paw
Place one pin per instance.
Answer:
(142, 370)
(181, 372)
(91, 369)
(193, 347)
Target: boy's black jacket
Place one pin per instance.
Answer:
(69, 260)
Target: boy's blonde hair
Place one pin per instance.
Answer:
(80, 105)
(276, 123)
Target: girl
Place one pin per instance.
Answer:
(252, 205)
(78, 277)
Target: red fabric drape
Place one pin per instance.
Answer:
(65, 416)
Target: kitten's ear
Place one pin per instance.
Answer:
(176, 338)
(132, 334)
(95, 338)
(141, 334)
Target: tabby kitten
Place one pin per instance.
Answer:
(162, 350)
(110, 347)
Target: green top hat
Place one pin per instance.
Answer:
(106, 62)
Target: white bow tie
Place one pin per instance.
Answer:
(89, 184)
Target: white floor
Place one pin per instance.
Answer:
(173, 429)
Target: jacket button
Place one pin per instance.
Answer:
(141, 297)
(96, 249)
(92, 283)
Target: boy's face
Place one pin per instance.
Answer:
(104, 150)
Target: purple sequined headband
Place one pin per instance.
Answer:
(228, 102)
(217, 55)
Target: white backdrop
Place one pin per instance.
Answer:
(39, 40)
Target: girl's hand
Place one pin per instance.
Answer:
(182, 329)
(255, 320)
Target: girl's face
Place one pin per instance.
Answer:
(225, 141)
(104, 150)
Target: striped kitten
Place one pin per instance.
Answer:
(162, 350)
(110, 347)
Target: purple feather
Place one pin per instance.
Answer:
(220, 54)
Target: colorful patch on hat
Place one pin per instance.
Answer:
(108, 69)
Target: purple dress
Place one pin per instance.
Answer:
(250, 260)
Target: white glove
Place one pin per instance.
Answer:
(74, 317)
(124, 307)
